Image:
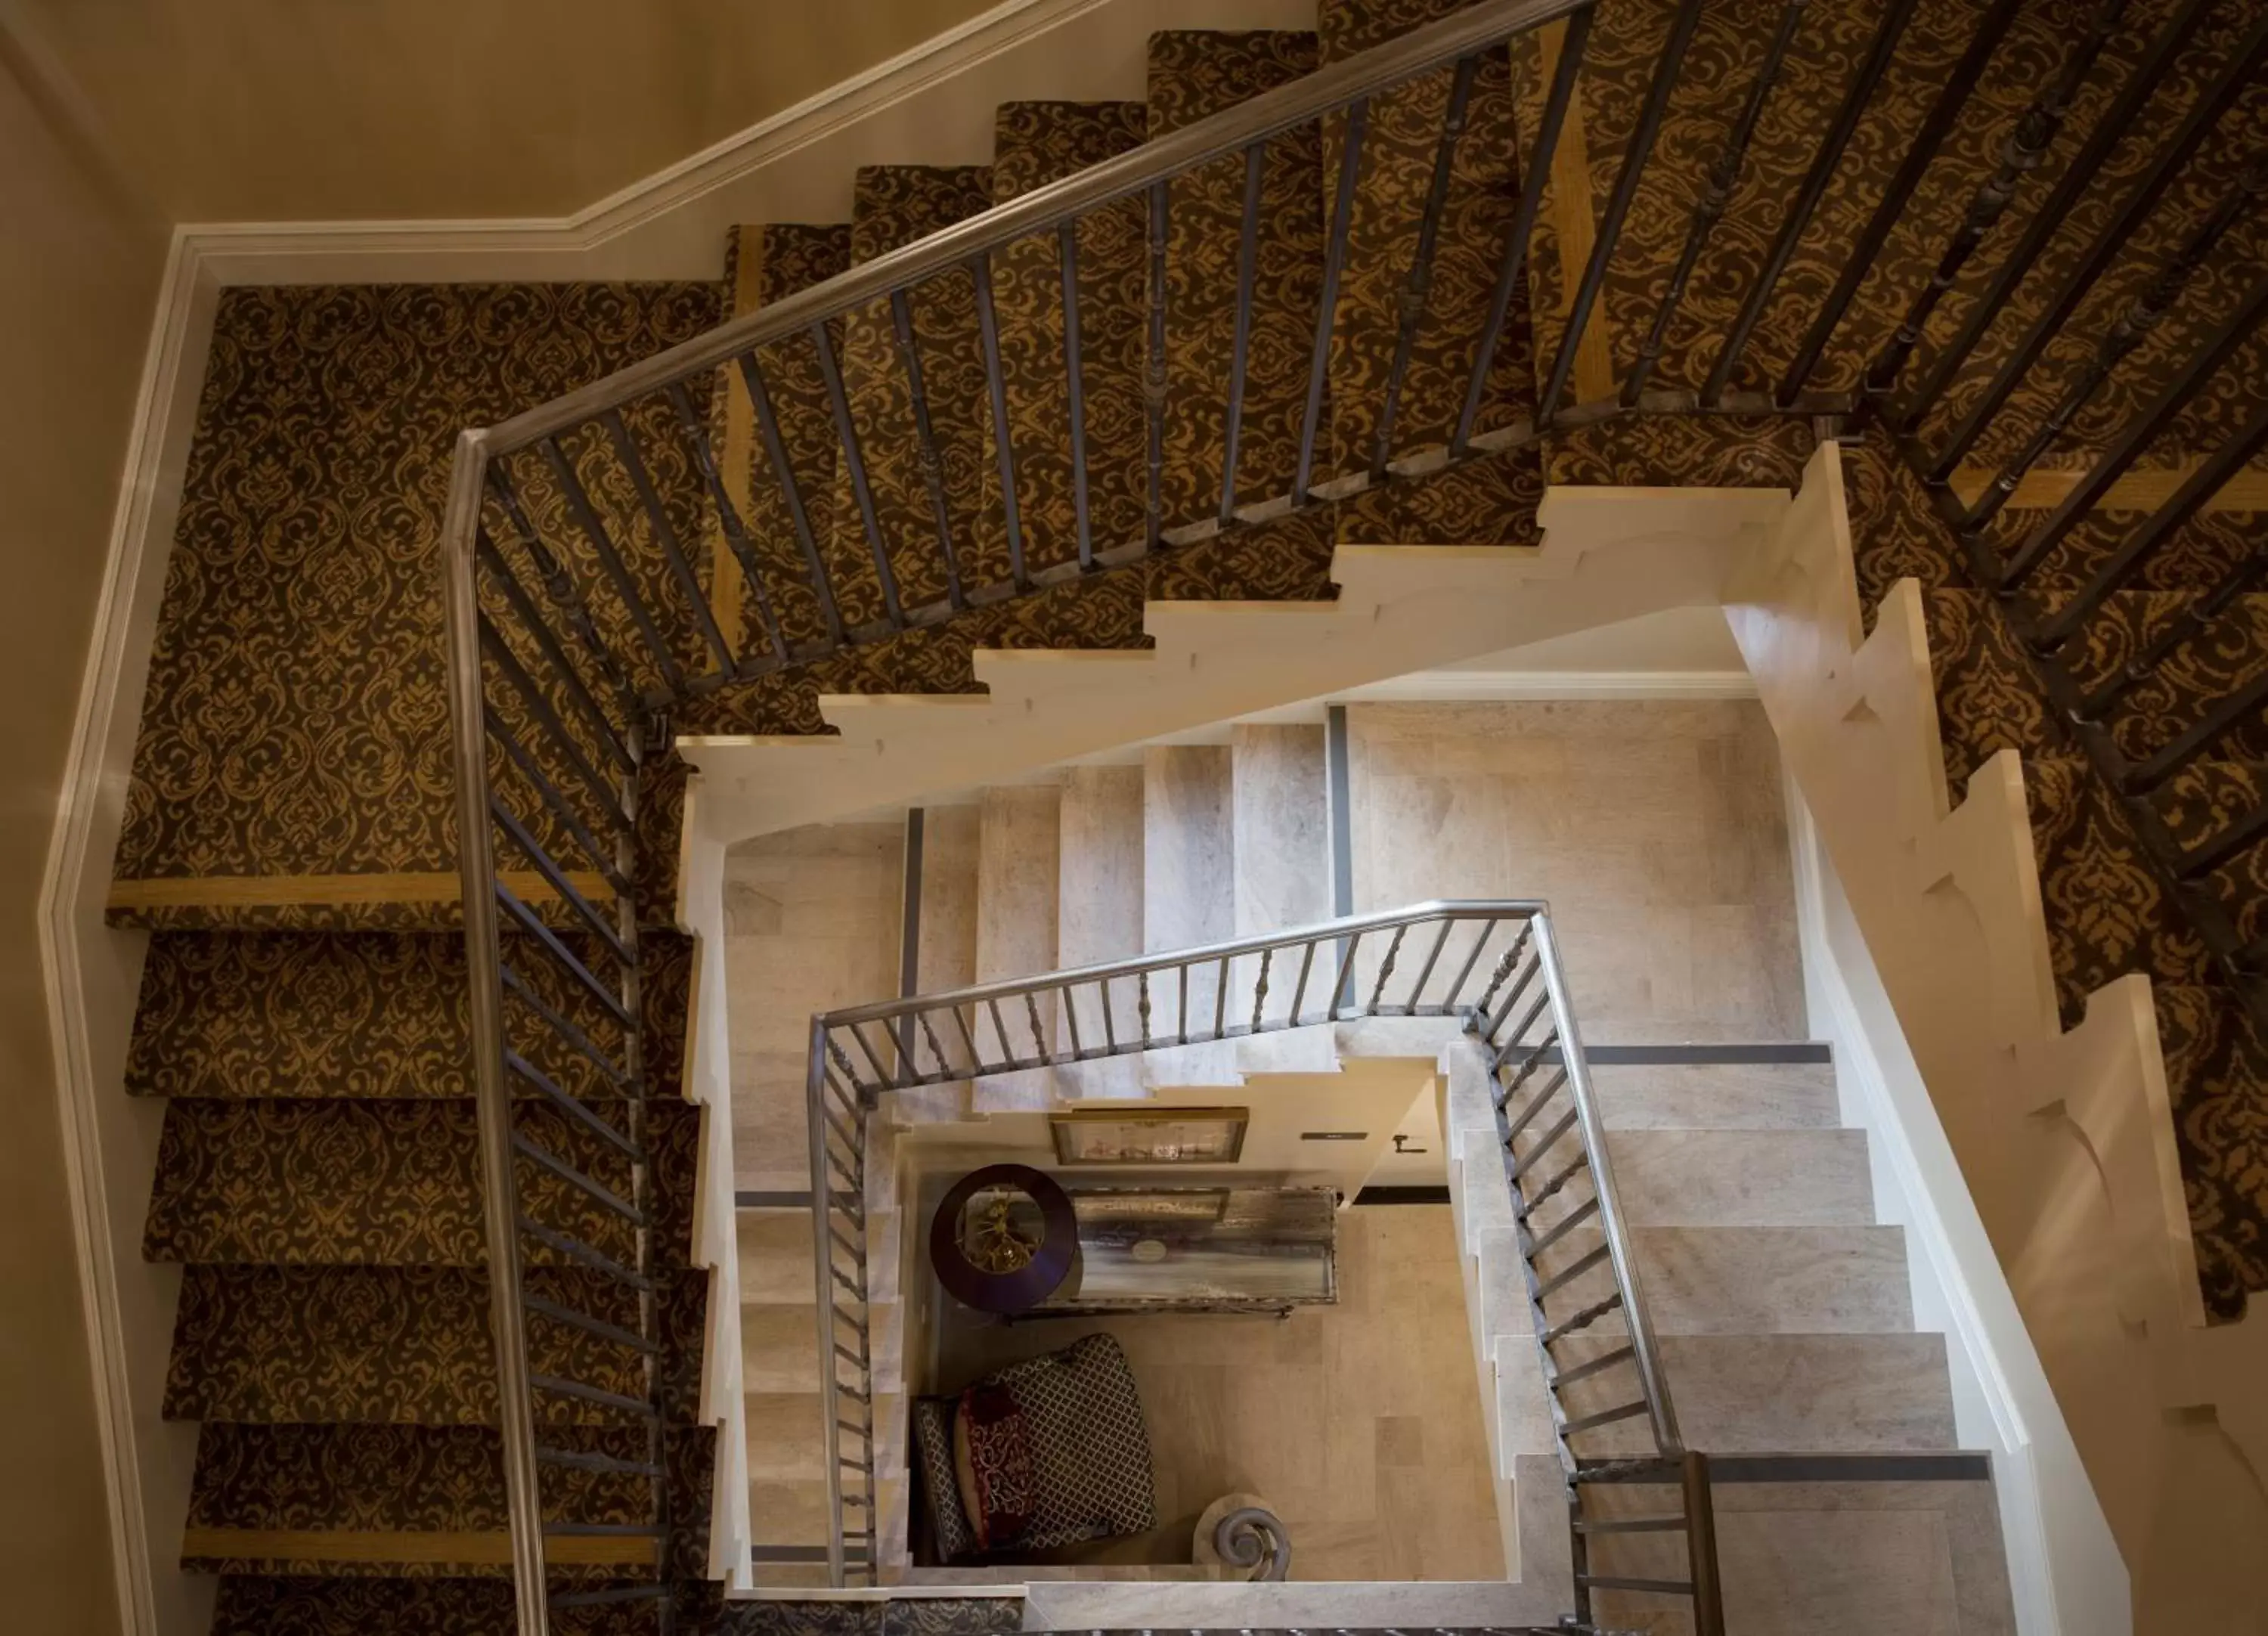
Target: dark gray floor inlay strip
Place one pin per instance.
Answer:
(1661, 1056)
(1402, 1195)
(754, 1200)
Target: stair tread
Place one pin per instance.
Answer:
(371, 1014)
(367, 1497)
(392, 1344)
(1740, 1393)
(393, 1182)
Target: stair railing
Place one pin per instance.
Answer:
(708, 517)
(1491, 967)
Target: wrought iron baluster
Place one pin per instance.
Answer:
(2086, 167)
(1153, 376)
(610, 561)
(1897, 196)
(728, 519)
(1416, 284)
(2103, 250)
(1823, 164)
(560, 587)
(610, 739)
(1618, 202)
(2135, 326)
(760, 397)
(1319, 358)
(1513, 259)
(932, 464)
(1260, 990)
(1074, 387)
(673, 548)
(1724, 176)
(2021, 152)
(854, 465)
(1248, 266)
(996, 388)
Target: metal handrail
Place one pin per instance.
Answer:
(1328, 90)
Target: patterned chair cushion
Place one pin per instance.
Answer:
(1090, 1451)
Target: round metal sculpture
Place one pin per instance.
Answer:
(1240, 1532)
(986, 1256)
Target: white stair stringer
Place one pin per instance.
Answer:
(2139, 1419)
(1400, 608)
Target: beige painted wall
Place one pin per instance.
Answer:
(79, 266)
(274, 110)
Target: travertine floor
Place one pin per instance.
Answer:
(1655, 828)
(1361, 1422)
(811, 921)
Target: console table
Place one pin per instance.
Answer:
(1196, 1249)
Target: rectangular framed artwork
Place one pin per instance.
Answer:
(1149, 1135)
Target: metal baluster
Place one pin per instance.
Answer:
(1426, 972)
(610, 561)
(1318, 358)
(1761, 290)
(2188, 623)
(775, 451)
(1724, 176)
(1153, 377)
(1517, 237)
(728, 519)
(560, 587)
(531, 618)
(1143, 979)
(2086, 167)
(1039, 1043)
(936, 1045)
(1074, 387)
(854, 464)
(932, 464)
(1618, 202)
(1897, 195)
(1386, 967)
(1260, 990)
(1416, 284)
(2199, 488)
(2021, 152)
(996, 387)
(2140, 204)
(673, 548)
(1248, 263)
(2135, 326)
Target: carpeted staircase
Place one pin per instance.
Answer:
(290, 841)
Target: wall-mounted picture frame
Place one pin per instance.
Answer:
(1149, 1135)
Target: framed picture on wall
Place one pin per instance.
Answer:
(1149, 1135)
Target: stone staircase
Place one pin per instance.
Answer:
(1785, 1325)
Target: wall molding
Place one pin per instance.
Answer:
(81, 1014)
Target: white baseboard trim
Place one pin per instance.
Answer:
(2056, 1566)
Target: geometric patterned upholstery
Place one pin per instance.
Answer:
(1090, 1450)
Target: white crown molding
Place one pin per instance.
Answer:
(933, 103)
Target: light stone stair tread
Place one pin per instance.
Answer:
(1724, 1281)
(775, 1255)
(788, 1511)
(779, 1346)
(1870, 1559)
(1188, 899)
(1747, 1394)
(1715, 1095)
(1098, 913)
(1018, 841)
(787, 1436)
(1742, 1178)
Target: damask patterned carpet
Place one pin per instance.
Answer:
(290, 836)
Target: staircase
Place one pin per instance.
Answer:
(1374, 285)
